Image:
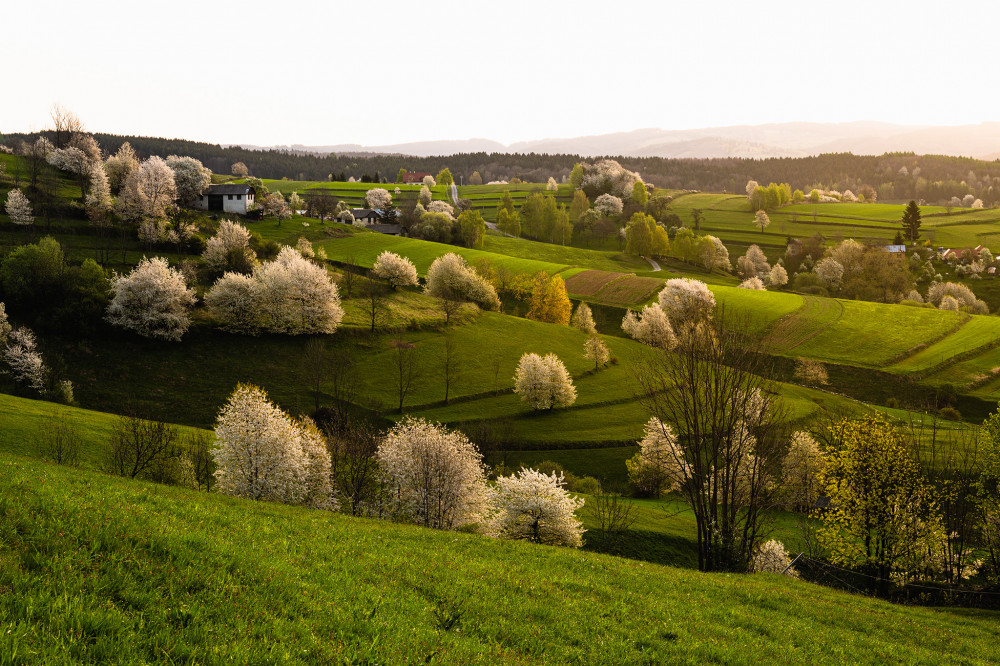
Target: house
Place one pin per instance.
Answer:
(895, 249)
(372, 219)
(226, 199)
(415, 177)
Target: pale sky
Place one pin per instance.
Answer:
(386, 72)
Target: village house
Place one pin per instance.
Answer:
(415, 177)
(226, 199)
(372, 218)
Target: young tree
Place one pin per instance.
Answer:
(551, 185)
(535, 507)
(509, 223)
(714, 254)
(754, 284)
(729, 435)
(472, 229)
(424, 198)
(190, 177)
(778, 277)
(397, 271)
(120, 166)
(19, 208)
(406, 368)
(800, 471)
(549, 301)
(437, 474)
(445, 178)
(583, 319)
(262, 454)
(274, 205)
(153, 300)
(579, 206)
(156, 187)
(881, 517)
(753, 263)
(761, 220)
(608, 205)
(650, 327)
(295, 203)
(452, 364)
(830, 271)
(544, 382)
(911, 221)
(595, 350)
(239, 169)
(428, 181)
(141, 447)
(771, 557)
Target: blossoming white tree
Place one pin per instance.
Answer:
(288, 295)
(761, 220)
(659, 466)
(230, 246)
(544, 382)
(754, 284)
(69, 159)
(552, 185)
(378, 198)
(429, 181)
(5, 326)
(98, 200)
(156, 183)
(24, 362)
(19, 208)
(714, 254)
(441, 207)
(425, 197)
(153, 300)
(583, 319)
(800, 471)
(437, 475)
(595, 350)
(191, 177)
(771, 557)
(686, 301)
(753, 263)
(396, 270)
(650, 327)
(261, 453)
(608, 205)
(305, 248)
(535, 507)
(778, 277)
(830, 271)
(452, 279)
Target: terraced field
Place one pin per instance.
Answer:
(976, 335)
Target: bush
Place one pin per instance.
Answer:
(951, 414)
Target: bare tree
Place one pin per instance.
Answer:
(497, 362)
(349, 276)
(60, 441)
(316, 365)
(197, 449)
(139, 446)
(450, 307)
(65, 123)
(406, 368)
(452, 364)
(354, 470)
(374, 295)
(714, 393)
(613, 513)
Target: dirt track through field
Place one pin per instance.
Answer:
(815, 316)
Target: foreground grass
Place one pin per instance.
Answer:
(97, 569)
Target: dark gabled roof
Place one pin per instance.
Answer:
(365, 212)
(229, 189)
(393, 229)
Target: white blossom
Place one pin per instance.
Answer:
(754, 284)
(451, 278)
(535, 507)
(595, 350)
(552, 185)
(544, 382)
(437, 475)
(19, 208)
(650, 327)
(428, 181)
(441, 207)
(583, 319)
(23, 360)
(778, 276)
(190, 177)
(770, 557)
(153, 300)
(305, 247)
(800, 470)
(608, 205)
(396, 270)
(231, 237)
(686, 301)
(660, 465)
(830, 271)
(378, 198)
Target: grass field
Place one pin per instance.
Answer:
(102, 570)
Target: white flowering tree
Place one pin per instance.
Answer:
(963, 296)
(830, 271)
(239, 169)
(153, 300)
(288, 295)
(583, 319)
(552, 185)
(606, 176)
(305, 248)
(274, 205)
(441, 207)
(544, 382)
(714, 254)
(450, 278)
(595, 350)
(98, 200)
(19, 208)
(754, 284)
(650, 327)
(425, 197)
(229, 247)
(751, 187)
(120, 166)
(378, 198)
(659, 466)
(753, 263)
(69, 159)
(800, 471)
(429, 181)
(157, 187)
(535, 507)
(761, 220)
(778, 277)
(23, 360)
(191, 177)
(5, 327)
(397, 271)
(437, 475)
(608, 205)
(686, 301)
(771, 557)
(261, 453)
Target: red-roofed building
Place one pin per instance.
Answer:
(414, 177)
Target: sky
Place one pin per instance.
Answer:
(326, 73)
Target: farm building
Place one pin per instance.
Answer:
(226, 199)
(415, 178)
(372, 218)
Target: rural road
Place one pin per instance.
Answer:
(454, 194)
(652, 263)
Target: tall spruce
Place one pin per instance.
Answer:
(911, 221)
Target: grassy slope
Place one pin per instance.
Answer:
(100, 569)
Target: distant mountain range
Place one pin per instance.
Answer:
(748, 141)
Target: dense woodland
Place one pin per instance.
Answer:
(896, 176)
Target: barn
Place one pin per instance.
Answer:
(226, 199)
